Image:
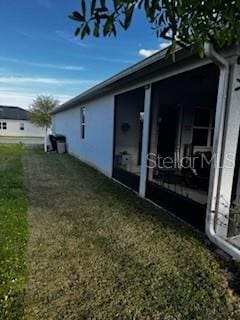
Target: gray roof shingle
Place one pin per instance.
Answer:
(13, 113)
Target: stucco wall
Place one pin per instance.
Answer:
(13, 129)
(97, 147)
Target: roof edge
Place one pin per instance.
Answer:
(92, 92)
(119, 76)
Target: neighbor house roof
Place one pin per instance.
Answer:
(155, 63)
(13, 113)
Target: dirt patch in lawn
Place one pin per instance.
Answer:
(96, 251)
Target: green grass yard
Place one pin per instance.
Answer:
(97, 251)
(13, 233)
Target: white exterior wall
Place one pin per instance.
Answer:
(97, 147)
(13, 129)
(232, 124)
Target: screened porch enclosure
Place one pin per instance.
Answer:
(180, 147)
(181, 130)
(129, 113)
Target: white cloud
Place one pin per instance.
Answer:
(28, 80)
(149, 52)
(24, 99)
(16, 80)
(21, 90)
(114, 60)
(42, 65)
(163, 45)
(72, 39)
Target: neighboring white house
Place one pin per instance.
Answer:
(15, 127)
(132, 125)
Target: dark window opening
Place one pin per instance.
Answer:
(202, 118)
(83, 132)
(200, 137)
(83, 119)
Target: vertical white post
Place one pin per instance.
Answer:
(45, 140)
(145, 140)
(232, 123)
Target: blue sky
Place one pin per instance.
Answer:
(40, 55)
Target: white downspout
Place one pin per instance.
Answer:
(217, 150)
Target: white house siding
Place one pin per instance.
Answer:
(12, 134)
(97, 147)
(13, 129)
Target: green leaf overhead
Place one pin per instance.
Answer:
(77, 16)
(184, 23)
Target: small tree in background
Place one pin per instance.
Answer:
(40, 113)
